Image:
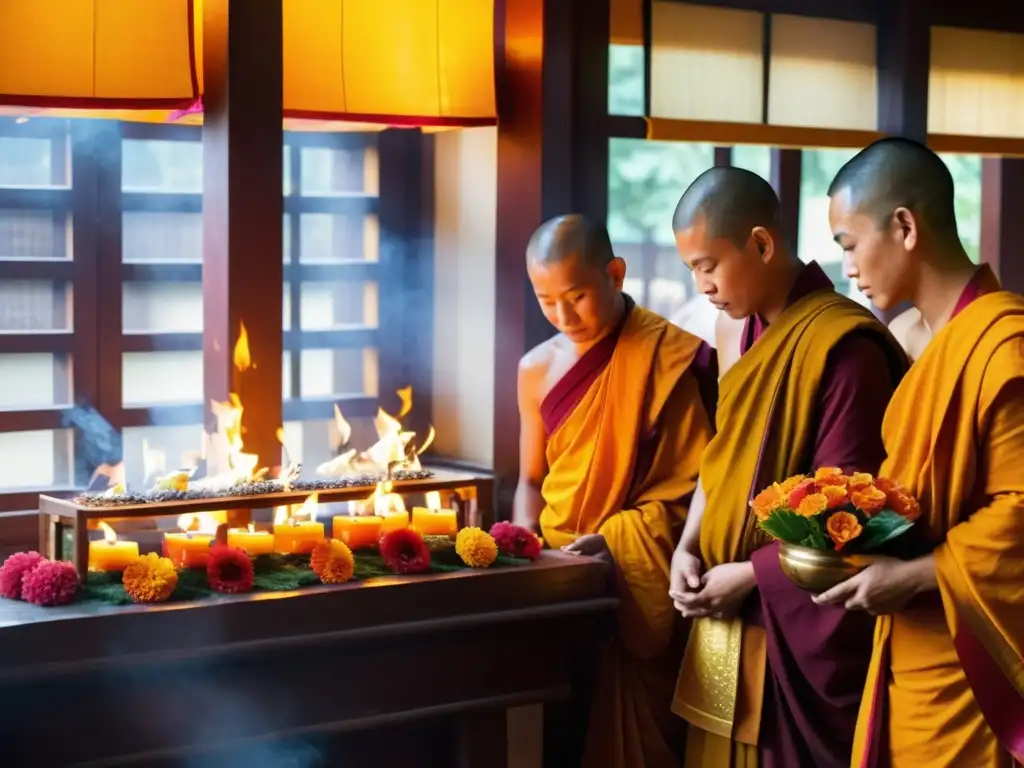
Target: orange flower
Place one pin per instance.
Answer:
(836, 495)
(903, 504)
(830, 476)
(885, 485)
(790, 483)
(812, 504)
(869, 500)
(800, 492)
(767, 501)
(859, 480)
(842, 528)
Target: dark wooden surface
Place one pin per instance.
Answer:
(141, 685)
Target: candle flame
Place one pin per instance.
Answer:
(242, 358)
(434, 500)
(252, 528)
(109, 535)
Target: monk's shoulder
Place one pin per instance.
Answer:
(1005, 367)
(540, 364)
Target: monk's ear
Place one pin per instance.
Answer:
(617, 271)
(763, 241)
(904, 227)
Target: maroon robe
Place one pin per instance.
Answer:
(818, 655)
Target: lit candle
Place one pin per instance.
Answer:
(190, 549)
(298, 532)
(252, 541)
(390, 508)
(434, 522)
(111, 554)
(358, 531)
(297, 537)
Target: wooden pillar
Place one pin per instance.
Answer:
(723, 157)
(551, 60)
(785, 174)
(1002, 227)
(902, 46)
(242, 212)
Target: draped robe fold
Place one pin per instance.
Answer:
(780, 684)
(627, 427)
(946, 682)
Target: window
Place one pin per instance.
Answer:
(645, 181)
(966, 172)
(815, 243)
(124, 263)
(754, 158)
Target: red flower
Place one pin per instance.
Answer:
(14, 570)
(50, 583)
(404, 551)
(229, 569)
(516, 541)
(801, 492)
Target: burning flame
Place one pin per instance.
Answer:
(109, 535)
(241, 357)
(295, 513)
(433, 500)
(386, 502)
(394, 446)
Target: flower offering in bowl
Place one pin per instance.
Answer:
(830, 523)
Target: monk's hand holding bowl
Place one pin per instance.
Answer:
(885, 586)
(723, 590)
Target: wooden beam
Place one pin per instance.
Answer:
(242, 211)
(902, 47)
(1002, 227)
(786, 169)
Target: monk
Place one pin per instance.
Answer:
(770, 678)
(946, 685)
(613, 427)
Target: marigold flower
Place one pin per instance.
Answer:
(229, 570)
(476, 547)
(830, 476)
(404, 551)
(812, 504)
(859, 480)
(904, 504)
(14, 569)
(869, 500)
(332, 561)
(790, 483)
(842, 528)
(801, 491)
(837, 495)
(516, 541)
(767, 501)
(150, 579)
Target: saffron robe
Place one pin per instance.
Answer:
(946, 685)
(780, 685)
(627, 427)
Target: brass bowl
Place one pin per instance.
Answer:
(817, 570)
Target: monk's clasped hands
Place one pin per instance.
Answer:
(884, 587)
(721, 592)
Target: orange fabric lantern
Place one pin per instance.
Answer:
(98, 54)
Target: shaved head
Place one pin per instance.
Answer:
(729, 202)
(899, 173)
(563, 237)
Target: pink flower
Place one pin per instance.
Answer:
(50, 583)
(516, 541)
(13, 571)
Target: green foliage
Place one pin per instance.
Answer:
(882, 528)
(786, 525)
(816, 538)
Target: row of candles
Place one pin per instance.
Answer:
(293, 533)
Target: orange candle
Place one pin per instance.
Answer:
(188, 550)
(434, 522)
(111, 554)
(393, 521)
(358, 531)
(252, 541)
(297, 537)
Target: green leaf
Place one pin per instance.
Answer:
(788, 526)
(882, 528)
(816, 537)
